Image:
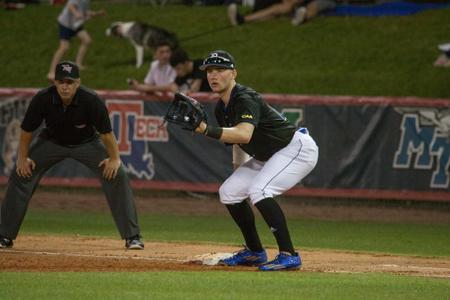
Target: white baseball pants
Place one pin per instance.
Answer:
(258, 180)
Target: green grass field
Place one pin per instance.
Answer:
(387, 56)
(218, 285)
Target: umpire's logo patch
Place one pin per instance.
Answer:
(67, 68)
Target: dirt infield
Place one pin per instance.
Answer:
(51, 254)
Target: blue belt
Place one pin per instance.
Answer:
(303, 130)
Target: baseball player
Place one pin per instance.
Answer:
(77, 127)
(281, 156)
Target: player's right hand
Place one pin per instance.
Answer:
(25, 167)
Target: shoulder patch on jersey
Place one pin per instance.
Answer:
(247, 116)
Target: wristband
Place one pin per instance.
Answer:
(213, 132)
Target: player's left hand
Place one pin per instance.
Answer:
(110, 167)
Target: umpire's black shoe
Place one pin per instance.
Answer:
(5, 242)
(134, 243)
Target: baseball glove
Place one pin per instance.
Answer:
(186, 112)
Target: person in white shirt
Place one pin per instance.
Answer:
(161, 76)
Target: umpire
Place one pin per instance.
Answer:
(77, 127)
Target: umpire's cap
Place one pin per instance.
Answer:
(220, 59)
(67, 70)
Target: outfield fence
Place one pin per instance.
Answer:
(370, 147)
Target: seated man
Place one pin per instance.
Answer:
(268, 9)
(161, 75)
(190, 78)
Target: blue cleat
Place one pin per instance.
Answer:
(283, 261)
(245, 257)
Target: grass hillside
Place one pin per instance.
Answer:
(387, 56)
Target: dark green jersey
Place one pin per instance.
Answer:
(272, 130)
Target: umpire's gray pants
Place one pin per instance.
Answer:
(46, 154)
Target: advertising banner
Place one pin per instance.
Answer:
(373, 147)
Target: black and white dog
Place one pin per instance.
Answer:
(142, 36)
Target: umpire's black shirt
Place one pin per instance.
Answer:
(272, 130)
(68, 126)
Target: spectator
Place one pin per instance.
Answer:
(311, 9)
(161, 76)
(70, 23)
(268, 9)
(189, 77)
(262, 10)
